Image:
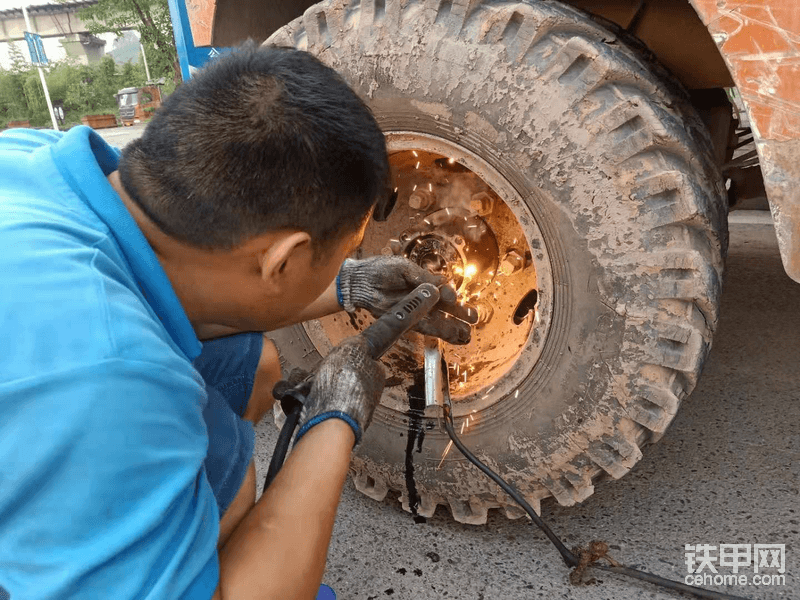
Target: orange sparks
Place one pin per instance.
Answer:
(446, 450)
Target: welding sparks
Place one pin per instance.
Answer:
(414, 189)
(470, 271)
(414, 152)
(451, 160)
(444, 454)
(430, 187)
(450, 444)
(395, 190)
(417, 167)
(516, 394)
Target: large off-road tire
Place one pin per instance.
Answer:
(616, 170)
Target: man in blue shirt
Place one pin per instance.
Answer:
(126, 444)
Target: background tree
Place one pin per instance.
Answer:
(150, 18)
(13, 101)
(81, 89)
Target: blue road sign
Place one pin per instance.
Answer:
(36, 48)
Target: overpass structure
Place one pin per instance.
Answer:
(55, 21)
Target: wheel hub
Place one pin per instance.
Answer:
(455, 217)
(451, 242)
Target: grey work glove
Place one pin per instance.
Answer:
(378, 283)
(347, 385)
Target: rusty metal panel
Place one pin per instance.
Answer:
(231, 22)
(760, 43)
(201, 19)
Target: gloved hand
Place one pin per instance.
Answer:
(347, 385)
(378, 283)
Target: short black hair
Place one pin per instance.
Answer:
(261, 139)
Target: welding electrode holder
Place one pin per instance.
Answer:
(380, 336)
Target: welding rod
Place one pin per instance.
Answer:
(433, 372)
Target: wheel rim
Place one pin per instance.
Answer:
(456, 212)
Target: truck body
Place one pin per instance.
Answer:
(138, 104)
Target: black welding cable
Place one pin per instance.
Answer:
(282, 445)
(569, 557)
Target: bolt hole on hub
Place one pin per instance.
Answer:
(457, 217)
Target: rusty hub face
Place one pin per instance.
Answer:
(458, 217)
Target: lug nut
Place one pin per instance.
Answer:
(485, 313)
(481, 203)
(511, 263)
(421, 200)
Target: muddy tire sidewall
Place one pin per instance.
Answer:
(629, 335)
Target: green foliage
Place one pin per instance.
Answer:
(150, 18)
(90, 89)
(79, 88)
(13, 102)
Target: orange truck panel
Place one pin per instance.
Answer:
(760, 42)
(201, 17)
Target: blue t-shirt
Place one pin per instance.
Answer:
(103, 493)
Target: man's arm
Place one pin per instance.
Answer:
(376, 284)
(279, 549)
(325, 305)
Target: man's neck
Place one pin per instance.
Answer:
(168, 251)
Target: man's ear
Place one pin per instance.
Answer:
(287, 250)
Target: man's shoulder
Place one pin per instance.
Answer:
(73, 300)
(27, 140)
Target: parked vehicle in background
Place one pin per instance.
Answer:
(138, 104)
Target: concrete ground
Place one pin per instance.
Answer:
(726, 472)
(120, 136)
